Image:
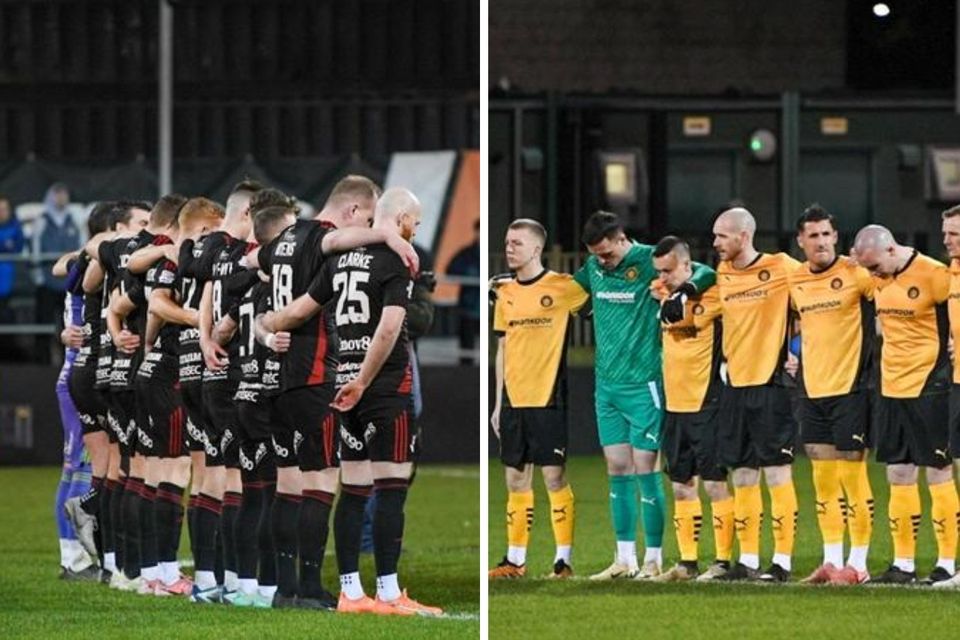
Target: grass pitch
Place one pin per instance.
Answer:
(533, 608)
(439, 566)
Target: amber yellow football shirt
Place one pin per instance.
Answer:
(913, 317)
(836, 326)
(755, 303)
(691, 353)
(533, 317)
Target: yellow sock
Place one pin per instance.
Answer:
(856, 484)
(748, 510)
(783, 514)
(519, 518)
(687, 519)
(723, 528)
(826, 482)
(904, 519)
(562, 516)
(944, 515)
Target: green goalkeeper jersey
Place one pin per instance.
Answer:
(625, 324)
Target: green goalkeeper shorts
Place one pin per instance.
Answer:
(630, 413)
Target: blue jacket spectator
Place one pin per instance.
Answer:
(11, 241)
(56, 232)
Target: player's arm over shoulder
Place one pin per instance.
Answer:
(703, 276)
(582, 275)
(397, 283)
(574, 295)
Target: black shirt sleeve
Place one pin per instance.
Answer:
(321, 289)
(164, 276)
(397, 285)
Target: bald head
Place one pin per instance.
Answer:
(738, 220)
(877, 251)
(733, 234)
(398, 208)
(873, 237)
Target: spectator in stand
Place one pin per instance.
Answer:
(54, 232)
(466, 263)
(11, 241)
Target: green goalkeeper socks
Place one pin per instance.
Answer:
(654, 508)
(623, 507)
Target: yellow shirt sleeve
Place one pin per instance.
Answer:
(499, 322)
(574, 296)
(866, 283)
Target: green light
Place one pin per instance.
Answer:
(756, 145)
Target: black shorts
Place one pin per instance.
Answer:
(379, 430)
(843, 421)
(91, 408)
(122, 418)
(689, 444)
(535, 435)
(306, 429)
(222, 424)
(255, 411)
(257, 460)
(955, 420)
(159, 391)
(192, 396)
(756, 428)
(914, 430)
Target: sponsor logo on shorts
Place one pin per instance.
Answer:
(369, 432)
(348, 439)
(560, 452)
(282, 452)
(193, 431)
(787, 451)
(145, 439)
(226, 439)
(297, 441)
(245, 462)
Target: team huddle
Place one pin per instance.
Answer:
(717, 375)
(260, 359)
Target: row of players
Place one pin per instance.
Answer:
(717, 344)
(261, 359)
